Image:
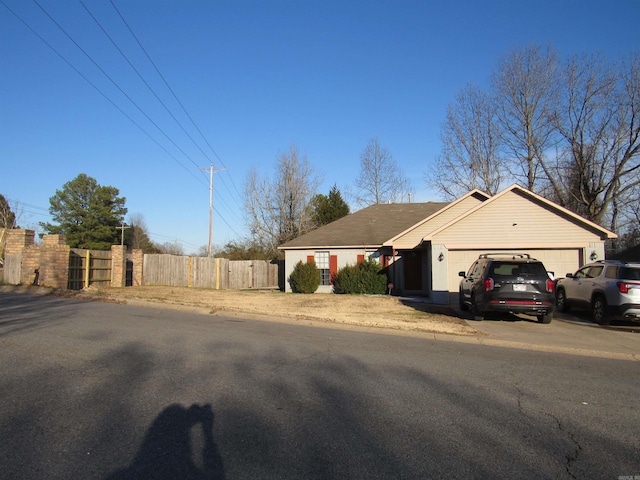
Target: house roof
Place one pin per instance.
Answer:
(381, 224)
(370, 227)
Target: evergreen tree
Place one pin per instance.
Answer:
(87, 214)
(327, 209)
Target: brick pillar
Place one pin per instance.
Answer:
(21, 251)
(118, 266)
(54, 262)
(18, 240)
(138, 260)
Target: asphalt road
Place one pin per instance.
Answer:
(102, 391)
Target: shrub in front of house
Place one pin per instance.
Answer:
(365, 278)
(305, 278)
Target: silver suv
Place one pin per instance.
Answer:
(609, 288)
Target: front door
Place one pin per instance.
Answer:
(412, 270)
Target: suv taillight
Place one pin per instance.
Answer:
(550, 285)
(488, 284)
(624, 287)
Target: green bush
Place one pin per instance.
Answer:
(366, 278)
(305, 278)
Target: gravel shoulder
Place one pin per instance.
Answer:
(382, 311)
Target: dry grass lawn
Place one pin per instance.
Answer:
(354, 310)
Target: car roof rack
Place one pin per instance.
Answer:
(512, 255)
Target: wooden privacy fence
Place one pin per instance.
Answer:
(12, 269)
(89, 267)
(205, 272)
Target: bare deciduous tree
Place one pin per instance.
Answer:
(599, 122)
(570, 132)
(7, 217)
(470, 153)
(525, 85)
(278, 209)
(380, 179)
(171, 248)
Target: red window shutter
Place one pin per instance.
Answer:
(311, 259)
(333, 267)
(360, 259)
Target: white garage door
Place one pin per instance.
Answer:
(560, 261)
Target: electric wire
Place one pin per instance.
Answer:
(221, 199)
(142, 78)
(95, 87)
(174, 95)
(113, 82)
(106, 97)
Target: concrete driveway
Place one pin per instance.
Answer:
(567, 333)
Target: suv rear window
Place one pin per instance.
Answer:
(623, 273)
(517, 269)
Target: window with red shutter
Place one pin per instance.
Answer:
(333, 267)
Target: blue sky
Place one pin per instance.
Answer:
(255, 77)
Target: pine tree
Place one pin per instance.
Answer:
(87, 213)
(328, 208)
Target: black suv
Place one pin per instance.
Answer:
(507, 282)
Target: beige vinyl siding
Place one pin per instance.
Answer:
(513, 221)
(414, 237)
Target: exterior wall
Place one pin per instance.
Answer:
(414, 237)
(513, 220)
(345, 257)
(439, 274)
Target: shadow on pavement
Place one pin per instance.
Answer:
(167, 453)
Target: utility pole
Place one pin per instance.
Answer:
(211, 172)
(122, 228)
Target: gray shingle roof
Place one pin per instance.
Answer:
(371, 226)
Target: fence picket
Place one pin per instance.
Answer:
(215, 273)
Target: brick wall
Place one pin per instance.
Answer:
(118, 266)
(46, 264)
(137, 257)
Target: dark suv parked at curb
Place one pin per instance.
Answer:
(609, 288)
(507, 282)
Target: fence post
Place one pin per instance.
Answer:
(87, 268)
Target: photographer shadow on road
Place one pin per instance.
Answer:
(166, 452)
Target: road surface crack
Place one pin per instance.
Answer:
(571, 456)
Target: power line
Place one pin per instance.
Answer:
(142, 78)
(174, 94)
(113, 82)
(106, 97)
(96, 88)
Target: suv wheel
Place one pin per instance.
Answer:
(599, 310)
(561, 300)
(463, 306)
(477, 314)
(545, 318)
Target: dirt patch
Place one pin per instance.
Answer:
(355, 310)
